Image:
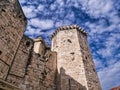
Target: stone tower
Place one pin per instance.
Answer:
(39, 46)
(75, 66)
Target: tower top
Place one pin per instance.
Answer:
(38, 39)
(68, 28)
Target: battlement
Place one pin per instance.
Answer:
(69, 28)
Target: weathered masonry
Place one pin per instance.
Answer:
(20, 67)
(76, 70)
(27, 64)
(12, 27)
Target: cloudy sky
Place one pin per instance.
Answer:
(100, 18)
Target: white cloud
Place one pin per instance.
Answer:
(40, 7)
(22, 1)
(42, 24)
(32, 31)
(97, 8)
(99, 28)
(60, 2)
(110, 76)
(98, 63)
(29, 11)
(53, 7)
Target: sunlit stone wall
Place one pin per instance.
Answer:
(76, 70)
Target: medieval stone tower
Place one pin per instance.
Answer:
(76, 70)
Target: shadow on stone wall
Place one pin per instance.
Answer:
(66, 82)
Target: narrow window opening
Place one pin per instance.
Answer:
(93, 69)
(20, 16)
(0, 52)
(14, 82)
(3, 10)
(13, 34)
(73, 58)
(27, 43)
(69, 41)
(72, 53)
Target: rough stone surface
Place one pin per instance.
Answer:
(27, 64)
(7, 86)
(76, 70)
(12, 26)
(90, 72)
(30, 70)
(22, 58)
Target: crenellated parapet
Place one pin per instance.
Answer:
(70, 27)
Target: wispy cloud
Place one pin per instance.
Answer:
(29, 11)
(98, 8)
(110, 76)
(42, 24)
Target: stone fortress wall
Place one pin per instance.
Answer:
(12, 27)
(27, 64)
(20, 67)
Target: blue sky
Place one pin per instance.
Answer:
(100, 18)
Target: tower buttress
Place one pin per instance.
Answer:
(39, 46)
(76, 70)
